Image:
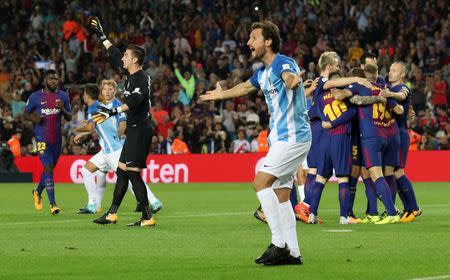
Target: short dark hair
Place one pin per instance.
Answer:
(269, 31)
(367, 55)
(356, 72)
(50, 72)
(139, 52)
(371, 69)
(92, 90)
(335, 75)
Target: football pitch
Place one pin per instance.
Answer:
(207, 231)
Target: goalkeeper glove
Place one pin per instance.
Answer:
(104, 113)
(96, 27)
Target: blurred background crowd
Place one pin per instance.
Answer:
(193, 44)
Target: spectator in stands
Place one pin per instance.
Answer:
(178, 145)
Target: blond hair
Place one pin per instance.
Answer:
(109, 82)
(327, 58)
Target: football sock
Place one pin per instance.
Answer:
(385, 194)
(407, 188)
(100, 188)
(119, 190)
(271, 208)
(301, 192)
(150, 196)
(50, 187)
(351, 197)
(289, 228)
(41, 184)
(344, 191)
(293, 196)
(89, 184)
(316, 193)
(310, 180)
(371, 197)
(141, 192)
(392, 183)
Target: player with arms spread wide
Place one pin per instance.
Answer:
(290, 138)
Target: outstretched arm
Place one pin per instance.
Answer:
(238, 90)
(367, 100)
(342, 82)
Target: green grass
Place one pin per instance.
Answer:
(207, 231)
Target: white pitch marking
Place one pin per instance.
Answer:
(433, 277)
(337, 230)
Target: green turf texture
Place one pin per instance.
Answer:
(207, 231)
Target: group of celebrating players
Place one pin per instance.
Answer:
(358, 120)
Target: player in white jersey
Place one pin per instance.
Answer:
(290, 138)
(111, 140)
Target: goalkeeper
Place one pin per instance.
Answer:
(138, 132)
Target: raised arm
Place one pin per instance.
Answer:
(366, 100)
(114, 54)
(238, 90)
(291, 80)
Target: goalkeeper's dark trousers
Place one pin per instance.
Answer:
(138, 187)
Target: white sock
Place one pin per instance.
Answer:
(301, 191)
(101, 188)
(89, 184)
(289, 228)
(271, 208)
(151, 197)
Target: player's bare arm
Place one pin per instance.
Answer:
(87, 127)
(218, 93)
(398, 109)
(291, 80)
(399, 96)
(367, 100)
(310, 86)
(122, 128)
(77, 139)
(340, 94)
(342, 82)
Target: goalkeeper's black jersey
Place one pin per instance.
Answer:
(136, 91)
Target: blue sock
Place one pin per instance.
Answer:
(404, 199)
(294, 197)
(310, 180)
(406, 187)
(371, 197)
(50, 187)
(316, 193)
(352, 181)
(384, 192)
(41, 184)
(392, 183)
(344, 191)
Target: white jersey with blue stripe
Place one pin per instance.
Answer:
(287, 107)
(108, 130)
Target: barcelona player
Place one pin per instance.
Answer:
(400, 92)
(45, 108)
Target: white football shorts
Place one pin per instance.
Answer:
(283, 160)
(106, 162)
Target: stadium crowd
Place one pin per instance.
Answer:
(192, 45)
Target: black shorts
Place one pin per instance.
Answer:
(137, 145)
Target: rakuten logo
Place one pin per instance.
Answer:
(49, 111)
(154, 173)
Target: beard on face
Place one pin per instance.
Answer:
(259, 53)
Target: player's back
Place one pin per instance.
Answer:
(335, 111)
(287, 108)
(374, 119)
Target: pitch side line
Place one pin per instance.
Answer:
(433, 277)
